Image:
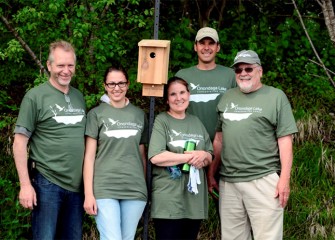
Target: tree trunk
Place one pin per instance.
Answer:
(206, 8)
(25, 46)
(328, 13)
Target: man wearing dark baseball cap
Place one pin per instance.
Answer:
(254, 130)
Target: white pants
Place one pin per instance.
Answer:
(251, 205)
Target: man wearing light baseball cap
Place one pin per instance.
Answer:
(247, 56)
(208, 81)
(207, 32)
(255, 130)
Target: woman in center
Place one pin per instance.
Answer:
(179, 198)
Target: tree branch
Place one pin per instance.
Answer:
(223, 5)
(200, 15)
(321, 66)
(209, 11)
(312, 45)
(25, 46)
(328, 13)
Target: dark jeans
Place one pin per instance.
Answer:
(178, 229)
(59, 212)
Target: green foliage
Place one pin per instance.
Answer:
(15, 222)
(13, 52)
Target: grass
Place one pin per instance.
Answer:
(310, 212)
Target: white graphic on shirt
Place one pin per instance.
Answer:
(232, 105)
(203, 97)
(182, 138)
(121, 133)
(181, 143)
(193, 86)
(123, 129)
(178, 143)
(113, 121)
(236, 113)
(59, 108)
(69, 115)
(236, 116)
(205, 94)
(175, 133)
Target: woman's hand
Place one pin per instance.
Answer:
(199, 158)
(90, 205)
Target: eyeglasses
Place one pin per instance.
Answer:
(113, 84)
(247, 70)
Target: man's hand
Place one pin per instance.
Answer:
(283, 191)
(213, 187)
(27, 196)
(213, 168)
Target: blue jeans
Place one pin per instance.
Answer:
(59, 212)
(118, 219)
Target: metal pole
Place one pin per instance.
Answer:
(151, 123)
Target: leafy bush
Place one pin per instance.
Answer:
(15, 221)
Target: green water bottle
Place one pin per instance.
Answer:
(189, 146)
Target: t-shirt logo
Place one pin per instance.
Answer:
(205, 94)
(117, 129)
(173, 134)
(178, 139)
(233, 112)
(193, 86)
(67, 115)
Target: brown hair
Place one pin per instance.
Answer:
(115, 68)
(167, 86)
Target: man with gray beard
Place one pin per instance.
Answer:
(255, 131)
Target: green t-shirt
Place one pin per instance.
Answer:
(251, 124)
(206, 88)
(118, 167)
(57, 123)
(170, 197)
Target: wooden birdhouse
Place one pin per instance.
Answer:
(153, 64)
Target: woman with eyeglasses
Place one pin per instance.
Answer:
(180, 149)
(115, 160)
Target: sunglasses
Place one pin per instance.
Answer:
(247, 70)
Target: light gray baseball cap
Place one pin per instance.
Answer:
(246, 56)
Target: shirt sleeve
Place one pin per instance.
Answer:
(22, 130)
(158, 140)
